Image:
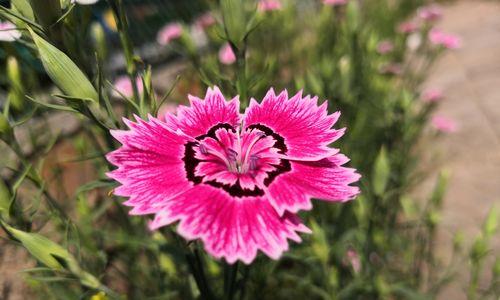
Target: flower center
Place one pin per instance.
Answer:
(241, 162)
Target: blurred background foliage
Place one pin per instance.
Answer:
(380, 246)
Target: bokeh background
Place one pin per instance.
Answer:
(468, 77)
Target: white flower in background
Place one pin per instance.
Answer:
(85, 2)
(9, 32)
(414, 41)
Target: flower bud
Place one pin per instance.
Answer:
(235, 20)
(99, 37)
(16, 89)
(6, 132)
(353, 18)
(4, 200)
(63, 71)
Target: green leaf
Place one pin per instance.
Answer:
(52, 106)
(381, 172)
(101, 183)
(63, 71)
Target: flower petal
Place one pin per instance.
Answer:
(305, 126)
(325, 179)
(150, 166)
(233, 228)
(203, 114)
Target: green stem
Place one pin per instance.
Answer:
(230, 274)
(195, 264)
(196, 267)
(128, 49)
(241, 74)
(246, 274)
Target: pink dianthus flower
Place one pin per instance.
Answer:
(9, 32)
(123, 87)
(226, 54)
(168, 33)
(235, 181)
(444, 124)
(430, 13)
(432, 95)
(446, 40)
(334, 2)
(269, 5)
(407, 27)
(385, 47)
(205, 20)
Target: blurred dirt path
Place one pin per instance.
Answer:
(470, 79)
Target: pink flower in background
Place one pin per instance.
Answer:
(385, 47)
(430, 13)
(432, 95)
(408, 27)
(391, 69)
(168, 33)
(123, 86)
(269, 5)
(9, 32)
(165, 110)
(226, 54)
(444, 124)
(353, 258)
(446, 40)
(334, 2)
(205, 20)
(235, 181)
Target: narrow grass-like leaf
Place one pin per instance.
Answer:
(13, 16)
(132, 103)
(94, 185)
(52, 106)
(15, 187)
(169, 92)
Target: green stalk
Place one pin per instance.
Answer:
(241, 74)
(128, 49)
(230, 274)
(195, 265)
